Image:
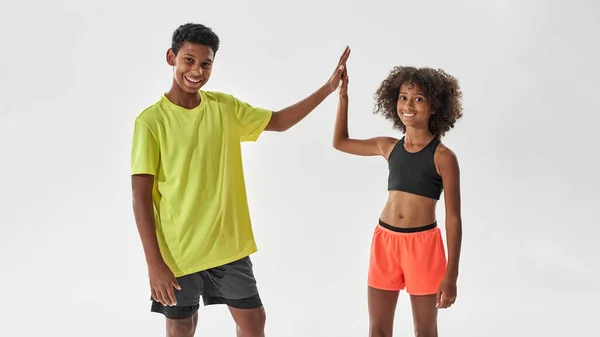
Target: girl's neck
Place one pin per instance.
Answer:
(417, 136)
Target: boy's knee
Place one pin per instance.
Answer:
(254, 331)
(181, 327)
(253, 324)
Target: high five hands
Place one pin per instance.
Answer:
(338, 75)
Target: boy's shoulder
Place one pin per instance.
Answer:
(219, 96)
(157, 111)
(150, 113)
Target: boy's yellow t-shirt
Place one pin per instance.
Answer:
(199, 195)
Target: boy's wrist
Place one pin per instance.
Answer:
(327, 89)
(153, 259)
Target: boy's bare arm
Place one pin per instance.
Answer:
(162, 280)
(141, 187)
(284, 119)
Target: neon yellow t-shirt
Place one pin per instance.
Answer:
(200, 203)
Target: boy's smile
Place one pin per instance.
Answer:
(191, 66)
(193, 80)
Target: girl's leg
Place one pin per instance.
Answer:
(424, 266)
(424, 315)
(382, 307)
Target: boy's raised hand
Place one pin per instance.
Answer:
(336, 77)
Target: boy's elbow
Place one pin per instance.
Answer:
(141, 187)
(140, 198)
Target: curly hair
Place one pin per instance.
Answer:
(194, 33)
(441, 90)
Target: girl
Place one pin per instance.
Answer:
(407, 251)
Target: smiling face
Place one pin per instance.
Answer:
(413, 107)
(192, 66)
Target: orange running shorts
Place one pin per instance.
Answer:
(407, 258)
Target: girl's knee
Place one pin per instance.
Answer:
(426, 331)
(380, 330)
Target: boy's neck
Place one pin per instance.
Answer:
(183, 99)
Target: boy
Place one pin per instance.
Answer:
(189, 197)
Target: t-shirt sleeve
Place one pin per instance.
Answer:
(145, 150)
(252, 121)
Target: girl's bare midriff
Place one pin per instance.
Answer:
(408, 210)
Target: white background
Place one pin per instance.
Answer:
(74, 75)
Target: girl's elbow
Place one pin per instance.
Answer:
(454, 221)
(337, 143)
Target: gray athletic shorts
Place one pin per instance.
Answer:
(232, 284)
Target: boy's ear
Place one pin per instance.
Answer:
(171, 57)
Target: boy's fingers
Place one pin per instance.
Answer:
(172, 299)
(162, 298)
(345, 55)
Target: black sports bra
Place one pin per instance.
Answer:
(415, 172)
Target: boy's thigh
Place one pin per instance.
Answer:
(188, 298)
(233, 284)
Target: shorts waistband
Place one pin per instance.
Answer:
(408, 230)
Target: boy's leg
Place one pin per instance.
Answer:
(185, 327)
(182, 319)
(234, 285)
(249, 322)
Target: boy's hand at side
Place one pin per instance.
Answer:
(162, 282)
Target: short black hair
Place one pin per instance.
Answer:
(194, 33)
(441, 89)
